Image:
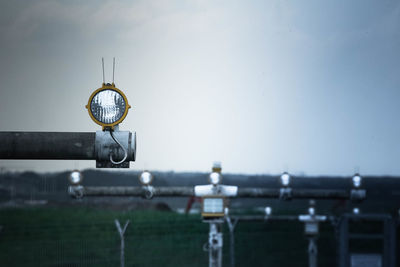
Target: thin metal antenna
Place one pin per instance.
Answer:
(113, 68)
(357, 169)
(102, 61)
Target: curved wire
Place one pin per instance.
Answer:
(123, 148)
(206, 247)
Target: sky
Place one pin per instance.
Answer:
(309, 87)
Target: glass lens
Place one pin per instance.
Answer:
(213, 205)
(285, 179)
(108, 106)
(75, 177)
(268, 210)
(215, 178)
(145, 178)
(357, 181)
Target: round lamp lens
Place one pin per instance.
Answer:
(285, 179)
(357, 180)
(356, 211)
(268, 211)
(75, 177)
(311, 211)
(108, 106)
(215, 178)
(146, 178)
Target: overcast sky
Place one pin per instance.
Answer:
(263, 86)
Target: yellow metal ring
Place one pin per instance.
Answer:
(108, 87)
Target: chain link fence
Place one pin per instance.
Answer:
(89, 237)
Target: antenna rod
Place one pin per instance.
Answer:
(113, 68)
(102, 60)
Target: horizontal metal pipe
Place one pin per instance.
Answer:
(321, 193)
(47, 145)
(255, 218)
(258, 192)
(185, 191)
(177, 191)
(295, 193)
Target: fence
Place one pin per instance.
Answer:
(87, 237)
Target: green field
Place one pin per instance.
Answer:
(88, 237)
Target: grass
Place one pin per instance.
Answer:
(88, 237)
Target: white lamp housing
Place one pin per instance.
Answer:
(311, 211)
(285, 179)
(357, 179)
(268, 211)
(75, 177)
(215, 178)
(146, 178)
(356, 211)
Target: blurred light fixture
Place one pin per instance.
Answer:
(146, 178)
(356, 211)
(285, 179)
(311, 210)
(357, 179)
(217, 167)
(108, 106)
(268, 211)
(75, 177)
(215, 178)
(213, 206)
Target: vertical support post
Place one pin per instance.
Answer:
(312, 252)
(389, 245)
(231, 226)
(393, 245)
(121, 232)
(215, 245)
(344, 242)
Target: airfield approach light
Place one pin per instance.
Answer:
(108, 106)
(75, 177)
(311, 210)
(357, 179)
(215, 178)
(146, 178)
(268, 211)
(356, 211)
(285, 179)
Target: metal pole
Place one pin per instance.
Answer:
(177, 191)
(184, 191)
(121, 234)
(295, 193)
(231, 226)
(47, 145)
(312, 252)
(215, 244)
(344, 260)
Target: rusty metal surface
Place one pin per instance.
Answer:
(137, 191)
(47, 145)
(182, 191)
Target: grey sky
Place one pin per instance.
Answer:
(263, 86)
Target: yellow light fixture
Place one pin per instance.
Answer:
(108, 106)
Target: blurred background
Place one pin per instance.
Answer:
(311, 88)
(263, 87)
